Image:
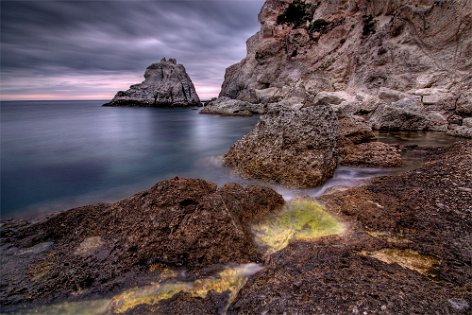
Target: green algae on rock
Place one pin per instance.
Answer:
(300, 219)
(230, 280)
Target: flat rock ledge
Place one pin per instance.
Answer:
(296, 148)
(93, 250)
(166, 84)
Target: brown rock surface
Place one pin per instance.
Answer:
(408, 252)
(293, 147)
(93, 249)
(357, 146)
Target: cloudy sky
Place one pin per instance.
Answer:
(79, 49)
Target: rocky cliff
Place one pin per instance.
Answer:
(386, 60)
(165, 84)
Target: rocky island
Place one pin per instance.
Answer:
(166, 84)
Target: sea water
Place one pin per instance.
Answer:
(60, 154)
(56, 155)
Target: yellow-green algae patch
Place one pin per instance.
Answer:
(406, 258)
(231, 280)
(300, 219)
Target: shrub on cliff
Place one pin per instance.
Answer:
(297, 14)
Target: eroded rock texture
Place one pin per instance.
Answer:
(293, 147)
(406, 63)
(99, 248)
(165, 84)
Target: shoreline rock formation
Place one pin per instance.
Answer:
(401, 65)
(394, 260)
(296, 148)
(166, 84)
(95, 249)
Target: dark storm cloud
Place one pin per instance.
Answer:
(44, 39)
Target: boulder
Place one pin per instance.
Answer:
(357, 145)
(293, 147)
(165, 84)
(93, 249)
(405, 114)
(464, 104)
(231, 107)
(467, 122)
(331, 98)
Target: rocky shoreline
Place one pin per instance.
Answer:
(324, 76)
(407, 247)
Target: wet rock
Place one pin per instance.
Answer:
(357, 145)
(422, 268)
(370, 154)
(293, 147)
(165, 84)
(354, 130)
(93, 249)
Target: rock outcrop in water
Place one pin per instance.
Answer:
(165, 84)
(95, 249)
(293, 147)
(403, 65)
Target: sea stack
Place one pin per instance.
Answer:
(166, 84)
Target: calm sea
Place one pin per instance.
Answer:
(61, 154)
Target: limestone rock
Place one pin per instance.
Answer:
(387, 49)
(231, 107)
(293, 147)
(467, 122)
(165, 84)
(464, 104)
(405, 114)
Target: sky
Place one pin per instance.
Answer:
(80, 49)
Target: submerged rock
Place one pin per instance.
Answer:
(293, 147)
(165, 84)
(93, 249)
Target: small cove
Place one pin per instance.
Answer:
(204, 164)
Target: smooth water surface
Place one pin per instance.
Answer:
(60, 154)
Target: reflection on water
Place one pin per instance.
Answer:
(56, 155)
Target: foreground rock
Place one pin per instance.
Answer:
(97, 249)
(293, 147)
(165, 84)
(408, 252)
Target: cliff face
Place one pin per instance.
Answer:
(165, 84)
(369, 50)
